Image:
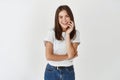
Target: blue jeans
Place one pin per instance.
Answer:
(59, 73)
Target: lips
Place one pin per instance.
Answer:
(65, 23)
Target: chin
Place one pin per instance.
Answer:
(64, 27)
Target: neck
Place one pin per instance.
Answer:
(64, 30)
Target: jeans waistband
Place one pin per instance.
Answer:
(60, 67)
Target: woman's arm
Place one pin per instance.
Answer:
(55, 57)
(51, 56)
(71, 47)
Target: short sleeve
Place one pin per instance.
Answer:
(50, 36)
(77, 37)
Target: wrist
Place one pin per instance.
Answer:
(67, 33)
(69, 56)
(66, 57)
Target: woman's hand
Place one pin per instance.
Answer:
(70, 27)
(71, 56)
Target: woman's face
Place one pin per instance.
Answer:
(64, 19)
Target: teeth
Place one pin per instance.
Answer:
(64, 23)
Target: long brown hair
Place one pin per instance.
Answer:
(58, 28)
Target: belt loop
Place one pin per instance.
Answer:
(57, 68)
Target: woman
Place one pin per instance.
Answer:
(61, 46)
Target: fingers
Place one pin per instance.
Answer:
(70, 27)
(71, 24)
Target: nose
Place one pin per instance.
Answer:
(64, 19)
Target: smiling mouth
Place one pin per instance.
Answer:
(65, 23)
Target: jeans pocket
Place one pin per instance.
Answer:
(71, 69)
(49, 68)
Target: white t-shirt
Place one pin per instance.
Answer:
(59, 47)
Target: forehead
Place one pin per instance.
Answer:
(63, 12)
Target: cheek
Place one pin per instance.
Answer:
(59, 20)
(68, 19)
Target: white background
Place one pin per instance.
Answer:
(24, 23)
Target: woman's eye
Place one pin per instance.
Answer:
(60, 17)
(67, 15)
